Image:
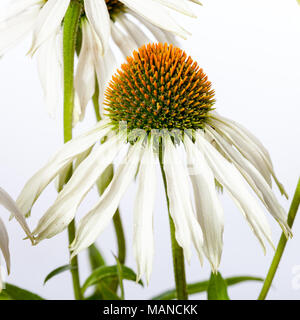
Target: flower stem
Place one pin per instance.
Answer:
(70, 29)
(281, 245)
(177, 252)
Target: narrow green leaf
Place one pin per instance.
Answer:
(15, 293)
(58, 271)
(106, 272)
(202, 286)
(96, 260)
(95, 296)
(235, 280)
(217, 288)
(95, 257)
(108, 294)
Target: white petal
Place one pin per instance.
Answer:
(85, 72)
(98, 16)
(15, 27)
(143, 240)
(187, 227)
(156, 13)
(246, 147)
(4, 247)
(133, 29)
(62, 212)
(251, 148)
(66, 155)
(92, 61)
(231, 179)
(14, 8)
(123, 40)
(172, 39)
(178, 5)
(196, 1)
(11, 206)
(99, 217)
(50, 72)
(105, 67)
(158, 33)
(208, 206)
(255, 180)
(48, 21)
(77, 114)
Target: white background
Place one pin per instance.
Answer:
(251, 53)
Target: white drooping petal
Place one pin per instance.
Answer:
(250, 147)
(246, 147)
(91, 62)
(62, 212)
(48, 21)
(143, 240)
(254, 178)
(135, 32)
(10, 205)
(161, 36)
(77, 115)
(98, 16)
(158, 33)
(16, 27)
(104, 66)
(232, 181)
(50, 72)
(157, 14)
(4, 247)
(123, 40)
(98, 218)
(208, 206)
(85, 73)
(187, 227)
(172, 39)
(178, 5)
(63, 157)
(15, 8)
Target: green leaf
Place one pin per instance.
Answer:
(96, 258)
(12, 292)
(202, 286)
(108, 294)
(58, 271)
(217, 288)
(106, 272)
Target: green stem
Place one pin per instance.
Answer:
(281, 245)
(71, 23)
(177, 252)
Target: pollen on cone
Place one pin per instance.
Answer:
(159, 87)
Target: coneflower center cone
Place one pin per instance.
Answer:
(159, 87)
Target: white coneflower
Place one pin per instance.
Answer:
(101, 19)
(9, 204)
(162, 95)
